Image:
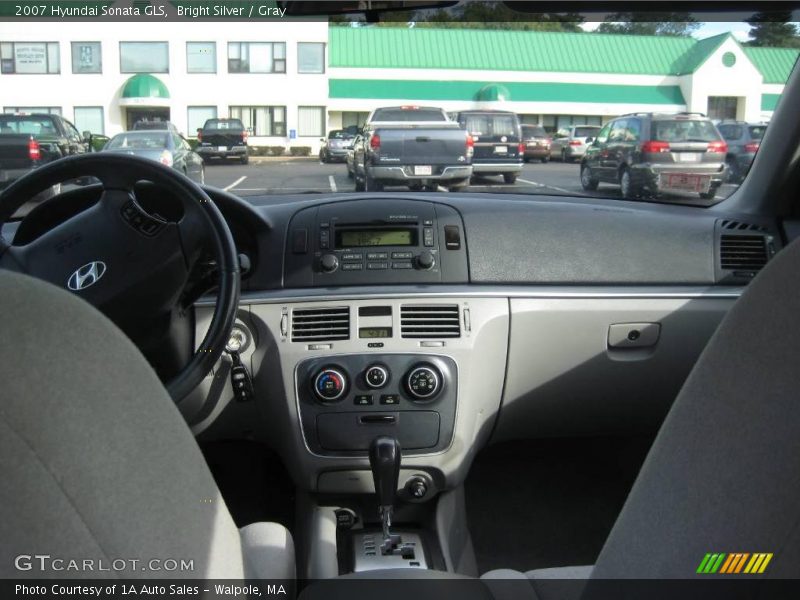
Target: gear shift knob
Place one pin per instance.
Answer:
(384, 459)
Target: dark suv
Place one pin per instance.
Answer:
(497, 135)
(654, 153)
(743, 141)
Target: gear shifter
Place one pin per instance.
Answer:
(384, 459)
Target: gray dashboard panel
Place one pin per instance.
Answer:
(569, 242)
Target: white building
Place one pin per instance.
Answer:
(290, 82)
(104, 76)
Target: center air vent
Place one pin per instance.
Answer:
(321, 324)
(430, 321)
(743, 252)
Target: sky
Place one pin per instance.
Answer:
(739, 30)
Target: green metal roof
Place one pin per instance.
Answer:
(144, 86)
(501, 50)
(775, 64)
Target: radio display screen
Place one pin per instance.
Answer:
(357, 238)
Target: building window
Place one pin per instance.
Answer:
(354, 120)
(86, 57)
(311, 121)
(552, 123)
(256, 57)
(310, 57)
(30, 57)
(51, 110)
(201, 57)
(198, 115)
(89, 118)
(144, 57)
(261, 120)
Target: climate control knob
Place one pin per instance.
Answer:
(329, 263)
(423, 382)
(376, 376)
(330, 384)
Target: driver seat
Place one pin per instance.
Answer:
(97, 463)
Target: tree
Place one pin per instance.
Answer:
(675, 24)
(773, 29)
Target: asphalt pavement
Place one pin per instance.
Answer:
(294, 176)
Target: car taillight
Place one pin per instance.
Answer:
(470, 145)
(244, 136)
(720, 147)
(751, 147)
(575, 143)
(199, 136)
(34, 151)
(165, 158)
(375, 142)
(655, 146)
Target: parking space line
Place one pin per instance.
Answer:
(235, 183)
(333, 183)
(552, 187)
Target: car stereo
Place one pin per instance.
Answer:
(362, 242)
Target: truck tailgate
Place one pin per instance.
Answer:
(14, 151)
(423, 145)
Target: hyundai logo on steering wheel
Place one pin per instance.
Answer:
(87, 275)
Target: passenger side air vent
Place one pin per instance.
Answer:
(743, 252)
(430, 321)
(730, 224)
(321, 324)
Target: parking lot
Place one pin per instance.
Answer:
(293, 176)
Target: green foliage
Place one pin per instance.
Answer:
(774, 30)
(664, 23)
(276, 150)
(300, 150)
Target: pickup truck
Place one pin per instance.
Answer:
(222, 138)
(29, 141)
(413, 146)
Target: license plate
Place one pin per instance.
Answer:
(501, 149)
(686, 183)
(423, 170)
(222, 149)
(686, 156)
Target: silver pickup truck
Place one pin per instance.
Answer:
(413, 146)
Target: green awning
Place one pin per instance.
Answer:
(144, 86)
(493, 91)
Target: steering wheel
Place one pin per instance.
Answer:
(130, 264)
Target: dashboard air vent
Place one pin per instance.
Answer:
(430, 321)
(743, 252)
(320, 324)
(730, 224)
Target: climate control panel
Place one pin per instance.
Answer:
(346, 401)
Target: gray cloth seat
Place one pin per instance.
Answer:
(97, 463)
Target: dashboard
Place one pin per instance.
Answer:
(451, 322)
(454, 321)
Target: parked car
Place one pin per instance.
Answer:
(334, 148)
(497, 137)
(650, 152)
(146, 125)
(414, 146)
(569, 144)
(350, 155)
(164, 146)
(28, 141)
(537, 143)
(223, 138)
(743, 141)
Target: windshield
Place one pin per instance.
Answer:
(138, 141)
(586, 131)
(685, 131)
(491, 124)
(272, 105)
